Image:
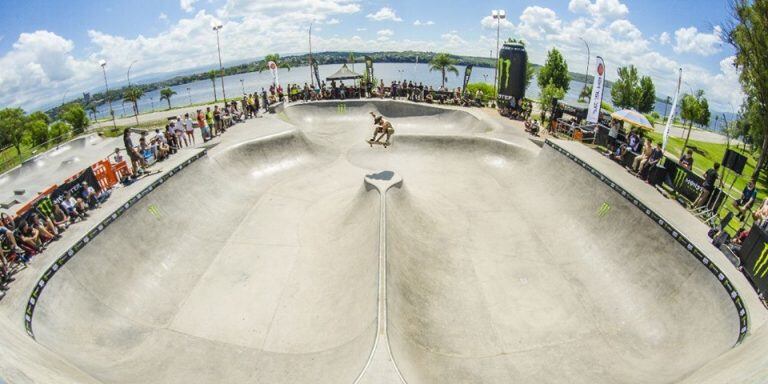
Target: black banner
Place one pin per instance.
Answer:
(317, 72)
(689, 184)
(467, 74)
(75, 186)
(754, 258)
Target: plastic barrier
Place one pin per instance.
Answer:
(30, 204)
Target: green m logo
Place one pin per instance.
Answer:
(155, 211)
(341, 109)
(504, 66)
(679, 177)
(45, 206)
(604, 209)
(761, 264)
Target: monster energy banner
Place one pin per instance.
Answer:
(593, 114)
(689, 184)
(754, 258)
(317, 72)
(75, 186)
(467, 74)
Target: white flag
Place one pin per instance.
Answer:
(596, 101)
(672, 112)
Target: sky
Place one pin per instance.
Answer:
(50, 50)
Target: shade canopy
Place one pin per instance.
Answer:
(632, 117)
(344, 73)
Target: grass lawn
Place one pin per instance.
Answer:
(704, 156)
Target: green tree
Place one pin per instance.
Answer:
(704, 113)
(39, 115)
(133, 94)
(586, 92)
(748, 34)
(75, 115)
(647, 99)
(549, 93)
(212, 76)
(694, 109)
(264, 64)
(444, 63)
(12, 127)
(59, 131)
(625, 92)
(167, 93)
(554, 71)
(37, 131)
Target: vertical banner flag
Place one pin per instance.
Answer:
(317, 72)
(596, 101)
(369, 67)
(467, 74)
(672, 111)
(273, 69)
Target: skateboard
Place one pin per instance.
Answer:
(372, 142)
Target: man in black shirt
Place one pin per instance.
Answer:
(710, 178)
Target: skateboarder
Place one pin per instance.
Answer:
(383, 128)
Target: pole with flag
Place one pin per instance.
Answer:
(672, 111)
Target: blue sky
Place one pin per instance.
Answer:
(50, 47)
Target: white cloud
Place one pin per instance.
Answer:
(187, 5)
(333, 21)
(690, 40)
(163, 16)
(489, 22)
(361, 29)
(537, 22)
(664, 38)
(385, 13)
(385, 34)
(600, 9)
(419, 23)
(453, 40)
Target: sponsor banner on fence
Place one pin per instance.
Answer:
(754, 258)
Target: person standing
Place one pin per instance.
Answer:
(189, 128)
(266, 100)
(686, 161)
(710, 178)
(209, 121)
(205, 130)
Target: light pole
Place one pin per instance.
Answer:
(499, 15)
(485, 75)
(311, 79)
(242, 84)
(586, 71)
(128, 75)
(103, 64)
(189, 95)
(216, 27)
(152, 100)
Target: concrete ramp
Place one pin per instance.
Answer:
(307, 256)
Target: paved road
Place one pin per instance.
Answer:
(262, 263)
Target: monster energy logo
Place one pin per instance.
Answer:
(679, 177)
(504, 66)
(154, 211)
(341, 109)
(761, 265)
(45, 206)
(604, 209)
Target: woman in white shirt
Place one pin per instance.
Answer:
(189, 128)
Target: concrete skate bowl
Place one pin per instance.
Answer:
(259, 264)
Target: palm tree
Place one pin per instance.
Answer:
(264, 65)
(166, 94)
(92, 109)
(443, 62)
(212, 76)
(133, 94)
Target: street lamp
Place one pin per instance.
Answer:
(242, 84)
(152, 100)
(103, 64)
(190, 96)
(129, 72)
(498, 15)
(216, 27)
(586, 71)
